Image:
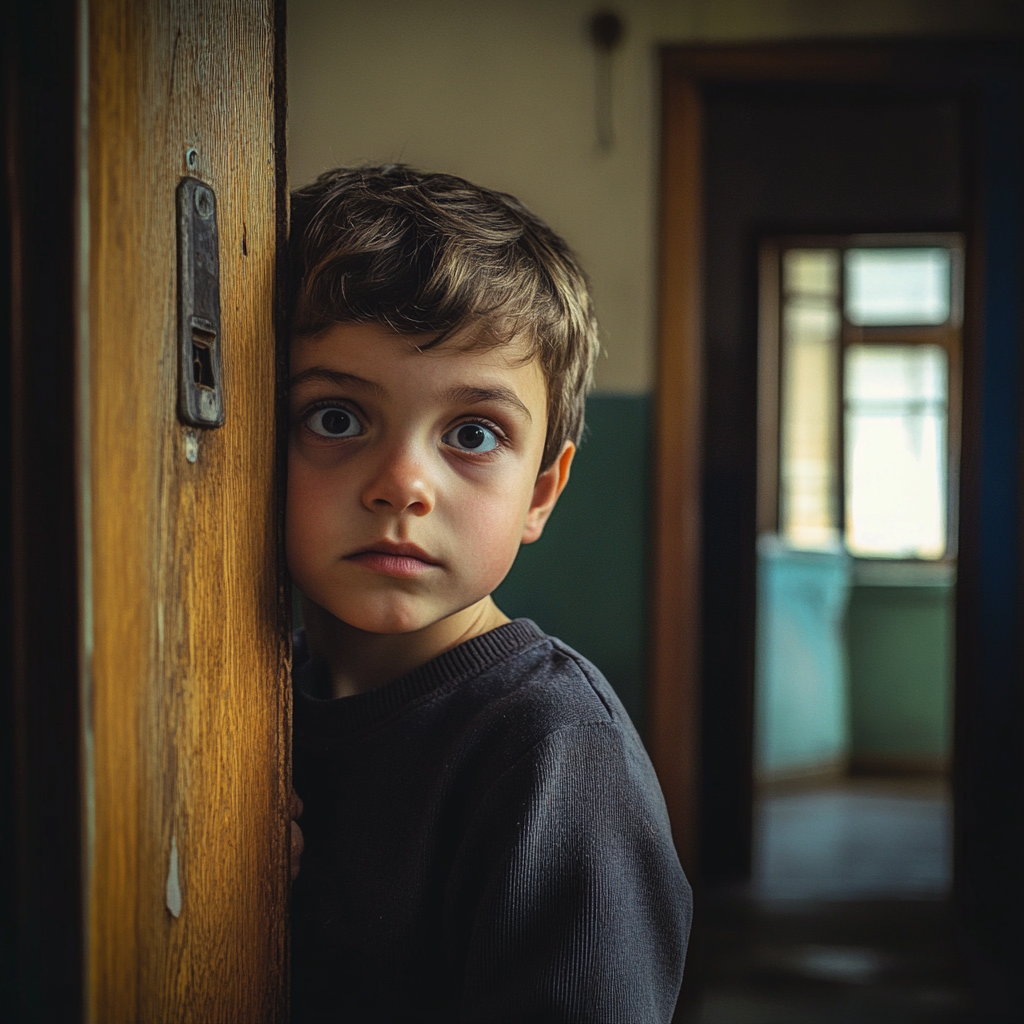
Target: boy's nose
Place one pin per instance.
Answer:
(401, 485)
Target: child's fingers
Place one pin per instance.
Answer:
(295, 806)
(298, 845)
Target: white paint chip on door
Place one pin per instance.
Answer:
(173, 885)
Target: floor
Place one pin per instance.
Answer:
(855, 839)
(843, 962)
(845, 920)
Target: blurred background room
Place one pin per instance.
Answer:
(815, 204)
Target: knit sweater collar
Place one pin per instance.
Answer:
(323, 722)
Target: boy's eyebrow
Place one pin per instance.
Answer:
(322, 374)
(465, 394)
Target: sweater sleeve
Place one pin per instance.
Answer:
(567, 902)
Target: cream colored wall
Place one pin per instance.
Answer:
(502, 92)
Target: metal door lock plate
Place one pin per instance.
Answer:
(200, 394)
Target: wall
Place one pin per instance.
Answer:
(854, 664)
(802, 716)
(900, 649)
(585, 580)
(503, 93)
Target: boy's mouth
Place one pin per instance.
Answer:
(392, 559)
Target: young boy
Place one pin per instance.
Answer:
(485, 840)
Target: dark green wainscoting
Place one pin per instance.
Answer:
(585, 580)
(900, 641)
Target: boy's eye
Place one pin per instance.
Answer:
(334, 422)
(471, 437)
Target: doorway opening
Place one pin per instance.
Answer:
(858, 444)
(800, 184)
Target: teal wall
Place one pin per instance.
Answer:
(801, 699)
(851, 664)
(900, 640)
(585, 580)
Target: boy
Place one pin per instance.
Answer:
(485, 840)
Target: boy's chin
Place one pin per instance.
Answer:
(389, 620)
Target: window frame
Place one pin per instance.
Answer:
(949, 336)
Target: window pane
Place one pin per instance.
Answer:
(890, 287)
(896, 400)
(810, 345)
(811, 272)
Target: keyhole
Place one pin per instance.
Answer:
(202, 361)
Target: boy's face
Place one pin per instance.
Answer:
(412, 476)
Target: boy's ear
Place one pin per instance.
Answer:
(546, 490)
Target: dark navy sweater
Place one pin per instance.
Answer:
(486, 842)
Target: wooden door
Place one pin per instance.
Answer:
(163, 653)
(187, 767)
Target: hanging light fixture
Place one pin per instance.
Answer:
(607, 30)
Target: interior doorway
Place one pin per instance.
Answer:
(858, 442)
(790, 176)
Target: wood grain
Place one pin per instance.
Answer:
(188, 696)
(675, 682)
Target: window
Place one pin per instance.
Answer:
(895, 414)
(867, 336)
(808, 415)
(888, 287)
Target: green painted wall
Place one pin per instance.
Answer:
(896, 641)
(900, 651)
(585, 580)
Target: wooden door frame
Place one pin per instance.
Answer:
(675, 702)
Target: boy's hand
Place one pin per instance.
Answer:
(298, 843)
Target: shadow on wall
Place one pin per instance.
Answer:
(585, 580)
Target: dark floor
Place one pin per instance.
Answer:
(843, 962)
(845, 921)
(854, 839)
